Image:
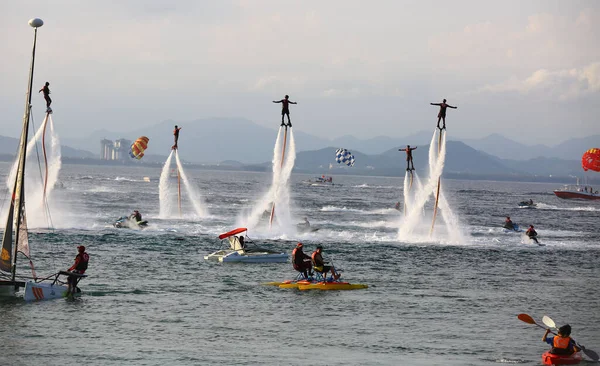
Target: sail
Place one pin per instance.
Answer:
(23, 237)
(6, 255)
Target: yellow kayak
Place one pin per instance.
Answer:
(294, 284)
(331, 286)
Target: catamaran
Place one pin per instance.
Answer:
(15, 238)
(239, 251)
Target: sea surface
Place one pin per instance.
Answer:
(151, 298)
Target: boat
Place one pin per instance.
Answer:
(575, 191)
(335, 285)
(515, 229)
(127, 222)
(15, 238)
(321, 181)
(552, 359)
(239, 251)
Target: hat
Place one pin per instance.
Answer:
(81, 248)
(299, 244)
(319, 246)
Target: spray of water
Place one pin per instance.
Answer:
(36, 207)
(169, 194)
(415, 225)
(278, 193)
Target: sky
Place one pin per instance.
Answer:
(529, 70)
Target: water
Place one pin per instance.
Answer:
(151, 299)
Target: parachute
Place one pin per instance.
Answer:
(138, 147)
(344, 156)
(591, 160)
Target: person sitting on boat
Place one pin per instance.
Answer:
(532, 234)
(508, 224)
(242, 242)
(562, 344)
(319, 264)
(530, 202)
(301, 261)
(397, 207)
(136, 215)
(81, 264)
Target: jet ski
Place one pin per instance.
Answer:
(126, 222)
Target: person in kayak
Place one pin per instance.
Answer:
(532, 234)
(508, 224)
(175, 137)
(301, 261)
(319, 264)
(46, 91)
(285, 109)
(562, 344)
(81, 264)
(442, 113)
(409, 157)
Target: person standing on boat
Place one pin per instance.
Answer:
(319, 264)
(176, 137)
(81, 264)
(301, 261)
(409, 157)
(285, 109)
(442, 113)
(46, 91)
(562, 344)
(532, 234)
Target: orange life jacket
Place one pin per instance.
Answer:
(561, 342)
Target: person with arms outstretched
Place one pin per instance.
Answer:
(442, 113)
(46, 91)
(409, 157)
(285, 109)
(176, 137)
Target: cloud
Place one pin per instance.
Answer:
(563, 84)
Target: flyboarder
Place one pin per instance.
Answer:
(442, 113)
(285, 110)
(409, 157)
(176, 136)
(46, 91)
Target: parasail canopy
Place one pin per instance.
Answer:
(138, 147)
(591, 160)
(344, 156)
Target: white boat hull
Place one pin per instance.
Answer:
(43, 291)
(230, 256)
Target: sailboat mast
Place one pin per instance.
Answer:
(18, 194)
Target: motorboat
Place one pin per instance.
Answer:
(321, 181)
(128, 222)
(527, 204)
(575, 191)
(239, 251)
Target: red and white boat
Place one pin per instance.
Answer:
(575, 191)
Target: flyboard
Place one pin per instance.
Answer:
(282, 159)
(437, 193)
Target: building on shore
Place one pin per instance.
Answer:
(114, 150)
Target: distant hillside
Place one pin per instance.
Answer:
(9, 145)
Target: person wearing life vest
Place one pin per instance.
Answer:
(319, 264)
(562, 344)
(508, 224)
(81, 264)
(532, 234)
(301, 261)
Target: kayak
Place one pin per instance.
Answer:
(552, 359)
(331, 286)
(294, 284)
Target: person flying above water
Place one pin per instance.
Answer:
(46, 91)
(285, 109)
(409, 157)
(176, 137)
(442, 113)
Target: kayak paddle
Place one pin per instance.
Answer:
(588, 352)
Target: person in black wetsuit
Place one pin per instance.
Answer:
(176, 137)
(46, 91)
(532, 234)
(409, 157)
(285, 109)
(508, 224)
(136, 215)
(442, 113)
